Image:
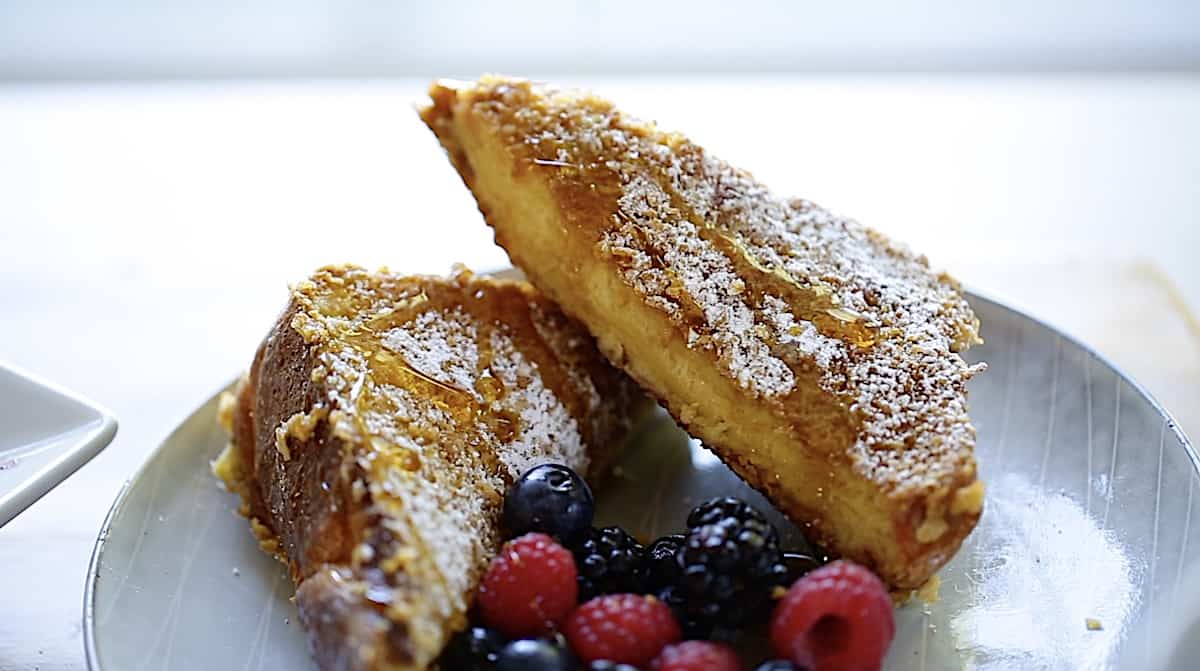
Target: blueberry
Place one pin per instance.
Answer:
(777, 665)
(551, 499)
(605, 665)
(475, 649)
(535, 655)
(797, 565)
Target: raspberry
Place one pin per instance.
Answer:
(696, 656)
(836, 618)
(529, 588)
(624, 628)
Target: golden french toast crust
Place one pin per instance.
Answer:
(789, 313)
(312, 529)
(589, 183)
(306, 505)
(926, 557)
(376, 431)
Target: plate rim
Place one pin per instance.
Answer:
(89, 634)
(91, 655)
(70, 460)
(1172, 424)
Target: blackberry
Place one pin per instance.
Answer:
(609, 561)
(729, 564)
(660, 565)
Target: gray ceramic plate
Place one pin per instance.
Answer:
(1091, 492)
(46, 433)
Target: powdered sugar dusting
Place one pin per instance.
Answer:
(695, 271)
(442, 409)
(439, 345)
(802, 335)
(422, 399)
(439, 508)
(763, 282)
(549, 325)
(548, 432)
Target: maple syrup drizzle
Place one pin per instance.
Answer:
(808, 301)
(473, 412)
(592, 185)
(387, 368)
(553, 163)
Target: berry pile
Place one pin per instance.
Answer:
(563, 595)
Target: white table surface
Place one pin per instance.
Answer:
(148, 231)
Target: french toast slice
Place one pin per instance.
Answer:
(377, 430)
(815, 356)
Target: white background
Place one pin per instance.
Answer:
(144, 38)
(158, 191)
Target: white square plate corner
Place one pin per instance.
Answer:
(46, 434)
